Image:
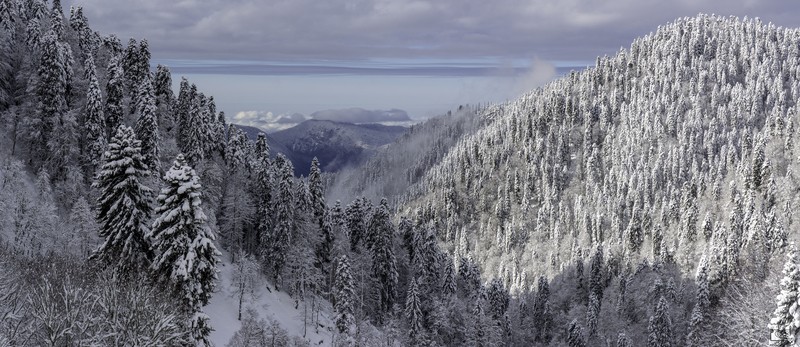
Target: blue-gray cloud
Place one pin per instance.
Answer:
(361, 30)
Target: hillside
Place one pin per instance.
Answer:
(678, 149)
(337, 145)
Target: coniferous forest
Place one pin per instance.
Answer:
(645, 201)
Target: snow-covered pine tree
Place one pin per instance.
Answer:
(384, 267)
(343, 296)
(574, 335)
(413, 313)
(192, 145)
(701, 305)
(124, 204)
(94, 120)
(183, 105)
(356, 225)
(162, 85)
(186, 257)
(147, 124)
(114, 95)
(279, 240)
(659, 328)
(51, 92)
(785, 323)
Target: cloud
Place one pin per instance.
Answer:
(539, 73)
(366, 30)
(360, 115)
(266, 120)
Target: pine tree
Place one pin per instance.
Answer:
(702, 303)
(94, 123)
(498, 298)
(186, 257)
(123, 207)
(596, 275)
(163, 85)
(623, 340)
(114, 89)
(574, 335)
(280, 239)
(147, 125)
(541, 313)
(192, 144)
(786, 318)
(354, 215)
(51, 92)
(592, 313)
(186, 95)
(659, 328)
(449, 282)
(384, 267)
(413, 313)
(344, 295)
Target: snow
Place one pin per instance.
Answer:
(223, 309)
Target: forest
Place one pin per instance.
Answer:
(645, 201)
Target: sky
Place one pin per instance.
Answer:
(274, 59)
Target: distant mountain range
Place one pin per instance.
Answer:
(336, 144)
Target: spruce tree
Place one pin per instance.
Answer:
(186, 257)
(94, 120)
(344, 295)
(574, 335)
(623, 340)
(384, 267)
(123, 206)
(659, 328)
(162, 85)
(786, 318)
(279, 240)
(413, 314)
(701, 306)
(114, 95)
(147, 124)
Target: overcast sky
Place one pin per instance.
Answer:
(366, 51)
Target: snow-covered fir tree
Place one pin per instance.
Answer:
(123, 208)
(185, 255)
(147, 124)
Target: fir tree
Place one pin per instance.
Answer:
(114, 89)
(413, 314)
(785, 322)
(123, 207)
(186, 257)
(702, 303)
(659, 328)
(344, 295)
(280, 238)
(574, 335)
(384, 267)
(94, 120)
(163, 85)
(623, 340)
(147, 125)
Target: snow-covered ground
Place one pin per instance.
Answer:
(223, 310)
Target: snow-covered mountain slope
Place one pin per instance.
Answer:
(337, 145)
(681, 145)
